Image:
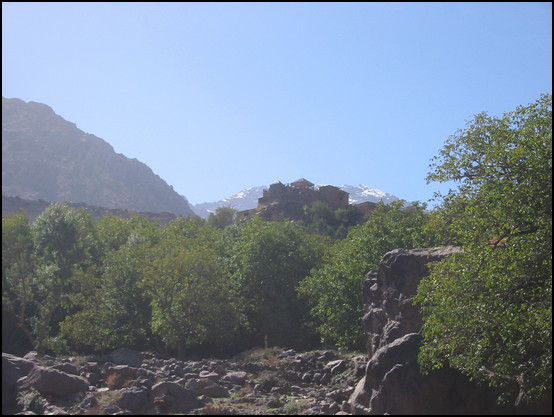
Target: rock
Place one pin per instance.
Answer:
(392, 382)
(207, 387)
(235, 378)
(125, 356)
(274, 403)
(118, 375)
(91, 367)
(209, 375)
(53, 382)
(89, 402)
(133, 399)
(172, 396)
(67, 368)
(14, 368)
(335, 366)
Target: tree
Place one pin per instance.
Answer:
(39, 284)
(113, 310)
(189, 296)
(18, 286)
(488, 311)
(267, 261)
(222, 217)
(334, 291)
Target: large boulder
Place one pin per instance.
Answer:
(393, 383)
(388, 292)
(171, 396)
(133, 399)
(126, 356)
(13, 368)
(205, 386)
(53, 382)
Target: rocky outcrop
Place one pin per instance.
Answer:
(393, 383)
(388, 291)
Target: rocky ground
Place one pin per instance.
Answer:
(258, 382)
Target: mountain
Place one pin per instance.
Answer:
(46, 157)
(248, 199)
(244, 200)
(363, 193)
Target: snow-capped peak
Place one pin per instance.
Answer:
(363, 193)
(243, 200)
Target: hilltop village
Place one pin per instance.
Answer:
(289, 201)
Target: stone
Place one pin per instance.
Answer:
(174, 396)
(335, 366)
(53, 382)
(126, 356)
(68, 368)
(235, 378)
(392, 382)
(13, 368)
(207, 387)
(133, 399)
(118, 375)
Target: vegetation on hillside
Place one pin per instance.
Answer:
(71, 284)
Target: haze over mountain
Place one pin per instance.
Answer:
(248, 198)
(46, 157)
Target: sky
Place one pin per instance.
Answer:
(219, 97)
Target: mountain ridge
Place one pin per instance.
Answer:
(45, 157)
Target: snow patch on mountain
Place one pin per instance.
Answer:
(363, 193)
(243, 200)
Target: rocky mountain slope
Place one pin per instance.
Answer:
(46, 157)
(247, 199)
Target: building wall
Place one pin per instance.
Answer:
(280, 193)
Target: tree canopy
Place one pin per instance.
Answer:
(334, 291)
(488, 311)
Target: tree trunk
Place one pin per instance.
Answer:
(181, 349)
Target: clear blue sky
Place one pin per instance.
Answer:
(218, 97)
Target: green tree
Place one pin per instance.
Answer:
(222, 217)
(191, 301)
(334, 291)
(18, 284)
(488, 311)
(267, 261)
(113, 310)
(41, 285)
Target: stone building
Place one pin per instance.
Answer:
(302, 192)
(289, 201)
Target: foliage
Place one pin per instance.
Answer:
(18, 286)
(322, 219)
(222, 217)
(114, 310)
(488, 311)
(40, 263)
(266, 262)
(190, 299)
(334, 291)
